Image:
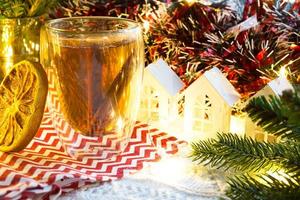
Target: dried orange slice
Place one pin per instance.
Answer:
(23, 95)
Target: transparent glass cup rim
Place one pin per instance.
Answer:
(130, 25)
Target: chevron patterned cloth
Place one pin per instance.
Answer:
(44, 170)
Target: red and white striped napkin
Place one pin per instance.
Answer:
(44, 170)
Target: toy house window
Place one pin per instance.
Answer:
(149, 104)
(202, 114)
(208, 108)
(180, 106)
(154, 105)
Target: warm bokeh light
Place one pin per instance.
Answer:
(283, 72)
(170, 169)
(191, 1)
(237, 125)
(146, 25)
(120, 124)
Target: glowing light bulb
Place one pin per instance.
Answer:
(170, 170)
(146, 26)
(237, 125)
(190, 2)
(283, 72)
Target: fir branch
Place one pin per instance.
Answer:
(230, 151)
(11, 9)
(33, 8)
(278, 116)
(263, 187)
(39, 7)
(29, 8)
(267, 113)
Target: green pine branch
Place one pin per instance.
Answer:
(26, 8)
(256, 160)
(263, 187)
(230, 151)
(277, 115)
(268, 112)
(33, 8)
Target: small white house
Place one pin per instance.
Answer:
(273, 88)
(160, 94)
(202, 109)
(208, 104)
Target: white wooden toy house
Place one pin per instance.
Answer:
(160, 94)
(273, 88)
(208, 105)
(205, 106)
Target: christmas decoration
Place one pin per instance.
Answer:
(73, 8)
(285, 18)
(191, 112)
(21, 8)
(269, 171)
(248, 49)
(242, 125)
(242, 56)
(33, 8)
(115, 8)
(274, 88)
(177, 32)
(249, 52)
(248, 45)
(200, 110)
(161, 93)
(208, 104)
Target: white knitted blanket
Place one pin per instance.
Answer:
(172, 178)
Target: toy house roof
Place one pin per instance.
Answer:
(165, 76)
(215, 78)
(275, 87)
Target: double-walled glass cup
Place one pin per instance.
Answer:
(94, 67)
